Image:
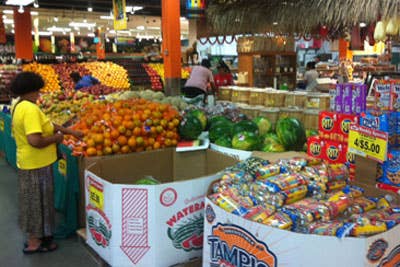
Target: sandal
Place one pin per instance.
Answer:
(48, 244)
(28, 251)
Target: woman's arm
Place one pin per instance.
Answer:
(64, 130)
(38, 141)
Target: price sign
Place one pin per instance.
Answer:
(62, 167)
(2, 125)
(96, 195)
(368, 142)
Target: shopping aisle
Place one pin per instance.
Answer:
(70, 252)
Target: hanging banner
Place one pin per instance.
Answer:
(195, 8)
(120, 20)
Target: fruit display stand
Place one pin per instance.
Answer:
(149, 225)
(231, 239)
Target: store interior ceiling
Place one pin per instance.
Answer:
(60, 17)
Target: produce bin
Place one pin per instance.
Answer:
(149, 225)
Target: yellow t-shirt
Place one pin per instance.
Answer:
(29, 119)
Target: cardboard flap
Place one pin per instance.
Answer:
(277, 156)
(217, 161)
(189, 164)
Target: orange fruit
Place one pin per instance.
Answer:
(139, 141)
(90, 143)
(151, 141)
(114, 134)
(98, 138)
(115, 148)
(107, 142)
(137, 131)
(132, 142)
(121, 129)
(122, 140)
(99, 153)
(129, 124)
(125, 149)
(156, 145)
(107, 150)
(91, 151)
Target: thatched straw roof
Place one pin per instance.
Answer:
(295, 16)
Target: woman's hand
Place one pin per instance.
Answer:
(59, 137)
(77, 134)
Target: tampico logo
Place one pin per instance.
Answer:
(231, 245)
(99, 226)
(327, 123)
(377, 250)
(186, 227)
(315, 148)
(332, 152)
(345, 126)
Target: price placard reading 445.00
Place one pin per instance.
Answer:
(368, 142)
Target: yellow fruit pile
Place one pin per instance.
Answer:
(109, 74)
(159, 68)
(48, 74)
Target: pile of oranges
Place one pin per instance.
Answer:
(50, 77)
(125, 126)
(109, 73)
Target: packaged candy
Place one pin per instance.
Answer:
(355, 191)
(283, 181)
(336, 204)
(344, 121)
(324, 228)
(279, 220)
(362, 205)
(338, 172)
(317, 190)
(251, 165)
(235, 177)
(327, 125)
(313, 161)
(295, 194)
(266, 171)
(228, 204)
(335, 186)
(260, 213)
(364, 227)
(303, 212)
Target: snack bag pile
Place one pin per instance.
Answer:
(304, 195)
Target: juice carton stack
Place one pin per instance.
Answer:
(385, 117)
(348, 101)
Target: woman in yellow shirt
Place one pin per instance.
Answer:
(36, 138)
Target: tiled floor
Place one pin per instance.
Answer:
(70, 252)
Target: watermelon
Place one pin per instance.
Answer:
(291, 133)
(201, 115)
(224, 141)
(245, 126)
(311, 132)
(271, 143)
(190, 128)
(245, 141)
(217, 119)
(264, 125)
(220, 129)
(148, 180)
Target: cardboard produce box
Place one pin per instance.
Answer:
(149, 225)
(235, 241)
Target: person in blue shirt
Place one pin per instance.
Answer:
(84, 81)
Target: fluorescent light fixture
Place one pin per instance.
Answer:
(8, 21)
(275, 23)
(153, 28)
(4, 16)
(21, 9)
(182, 18)
(84, 20)
(90, 9)
(76, 28)
(19, 2)
(363, 24)
(12, 31)
(140, 28)
(113, 32)
(82, 24)
(58, 29)
(91, 34)
(36, 4)
(78, 33)
(55, 19)
(34, 13)
(124, 32)
(45, 33)
(107, 17)
(133, 9)
(7, 11)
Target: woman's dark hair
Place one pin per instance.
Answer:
(311, 65)
(75, 76)
(26, 82)
(206, 63)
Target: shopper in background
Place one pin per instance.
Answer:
(84, 81)
(224, 76)
(36, 138)
(197, 84)
(310, 76)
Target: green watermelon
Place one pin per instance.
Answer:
(190, 128)
(148, 180)
(291, 133)
(217, 119)
(220, 129)
(271, 143)
(311, 132)
(245, 126)
(201, 115)
(245, 141)
(224, 141)
(264, 125)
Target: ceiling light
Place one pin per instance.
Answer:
(107, 17)
(45, 33)
(133, 9)
(90, 9)
(76, 28)
(141, 28)
(153, 28)
(34, 13)
(7, 11)
(91, 34)
(78, 33)
(64, 33)
(363, 24)
(36, 4)
(19, 2)
(21, 9)
(275, 23)
(12, 31)
(82, 24)
(84, 20)
(8, 21)
(55, 19)
(4, 16)
(183, 18)
(58, 29)
(112, 31)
